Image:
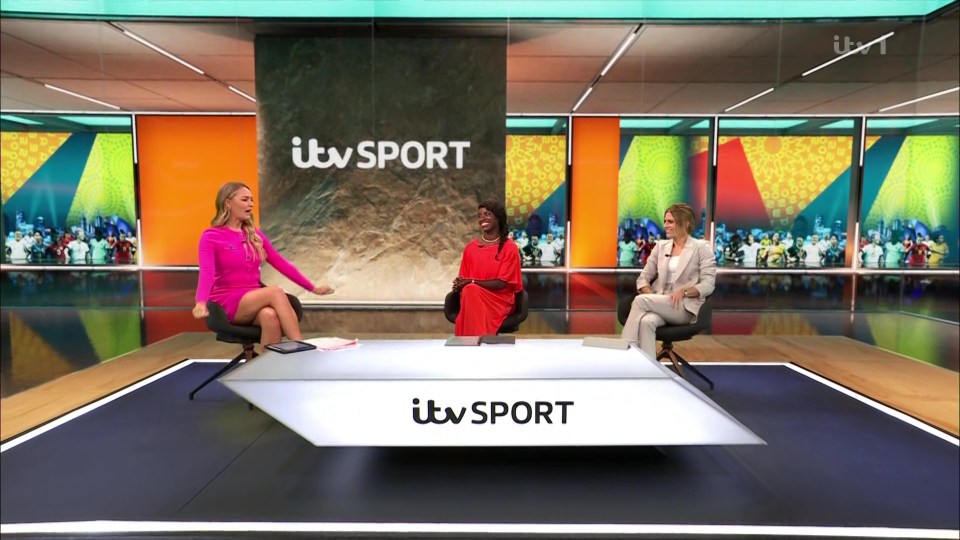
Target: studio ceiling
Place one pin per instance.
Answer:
(668, 69)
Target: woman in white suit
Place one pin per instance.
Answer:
(679, 275)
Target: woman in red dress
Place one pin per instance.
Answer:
(489, 275)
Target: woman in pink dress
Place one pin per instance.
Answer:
(489, 276)
(231, 252)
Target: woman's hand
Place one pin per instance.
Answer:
(323, 290)
(200, 310)
(459, 283)
(676, 297)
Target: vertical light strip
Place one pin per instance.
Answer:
(863, 144)
(569, 140)
(716, 138)
(133, 130)
(139, 247)
(856, 246)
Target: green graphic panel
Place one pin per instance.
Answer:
(922, 183)
(107, 182)
(652, 176)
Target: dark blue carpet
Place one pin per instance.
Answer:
(154, 455)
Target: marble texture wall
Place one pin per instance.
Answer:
(393, 234)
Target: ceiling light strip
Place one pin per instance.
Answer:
(242, 93)
(81, 96)
(748, 100)
(919, 99)
(622, 49)
(583, 98)
(171, 56)
(848, 53)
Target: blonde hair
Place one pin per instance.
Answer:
(251, 239)
(682, 215)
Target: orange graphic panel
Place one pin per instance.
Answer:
(183, 162)
(596, 176)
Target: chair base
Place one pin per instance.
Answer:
(248, 354)
(679, 363)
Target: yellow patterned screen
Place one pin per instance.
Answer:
(536, 169)
(23, 154)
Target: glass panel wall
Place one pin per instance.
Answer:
(910, 207)
(783, 188)
(662, 161)
(68, 190)
(536, 190)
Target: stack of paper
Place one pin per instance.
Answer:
(333, 343)
(459, 341)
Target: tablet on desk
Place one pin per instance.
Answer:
(287, 347)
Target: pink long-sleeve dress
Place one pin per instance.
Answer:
(228, 269)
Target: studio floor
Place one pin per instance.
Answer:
(834, 462)
(72, 339)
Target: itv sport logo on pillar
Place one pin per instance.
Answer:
(378, 154)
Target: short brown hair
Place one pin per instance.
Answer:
(682, 215)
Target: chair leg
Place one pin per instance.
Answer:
(245, 355)
(667, 352)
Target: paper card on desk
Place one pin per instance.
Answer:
(606, 343)
(460, 341)
(498, 340)
(333, 343)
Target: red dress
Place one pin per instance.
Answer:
(483, 310)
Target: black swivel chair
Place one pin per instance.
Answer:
(671, 333)
(245, 335)
(451, 308)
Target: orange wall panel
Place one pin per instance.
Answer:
(183, 161)
(593, 215)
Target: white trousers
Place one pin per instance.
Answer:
(647, 313)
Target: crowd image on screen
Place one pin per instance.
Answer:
(637, 236)
(103, 241)
(900, 244)
(904, 244)
(540, 244)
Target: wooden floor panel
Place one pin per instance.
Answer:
(927, 392)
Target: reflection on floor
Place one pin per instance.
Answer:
(54, 323)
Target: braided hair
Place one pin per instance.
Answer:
(496, 208)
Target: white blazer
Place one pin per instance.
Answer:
(698, 268)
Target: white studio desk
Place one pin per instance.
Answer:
(549, 392)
